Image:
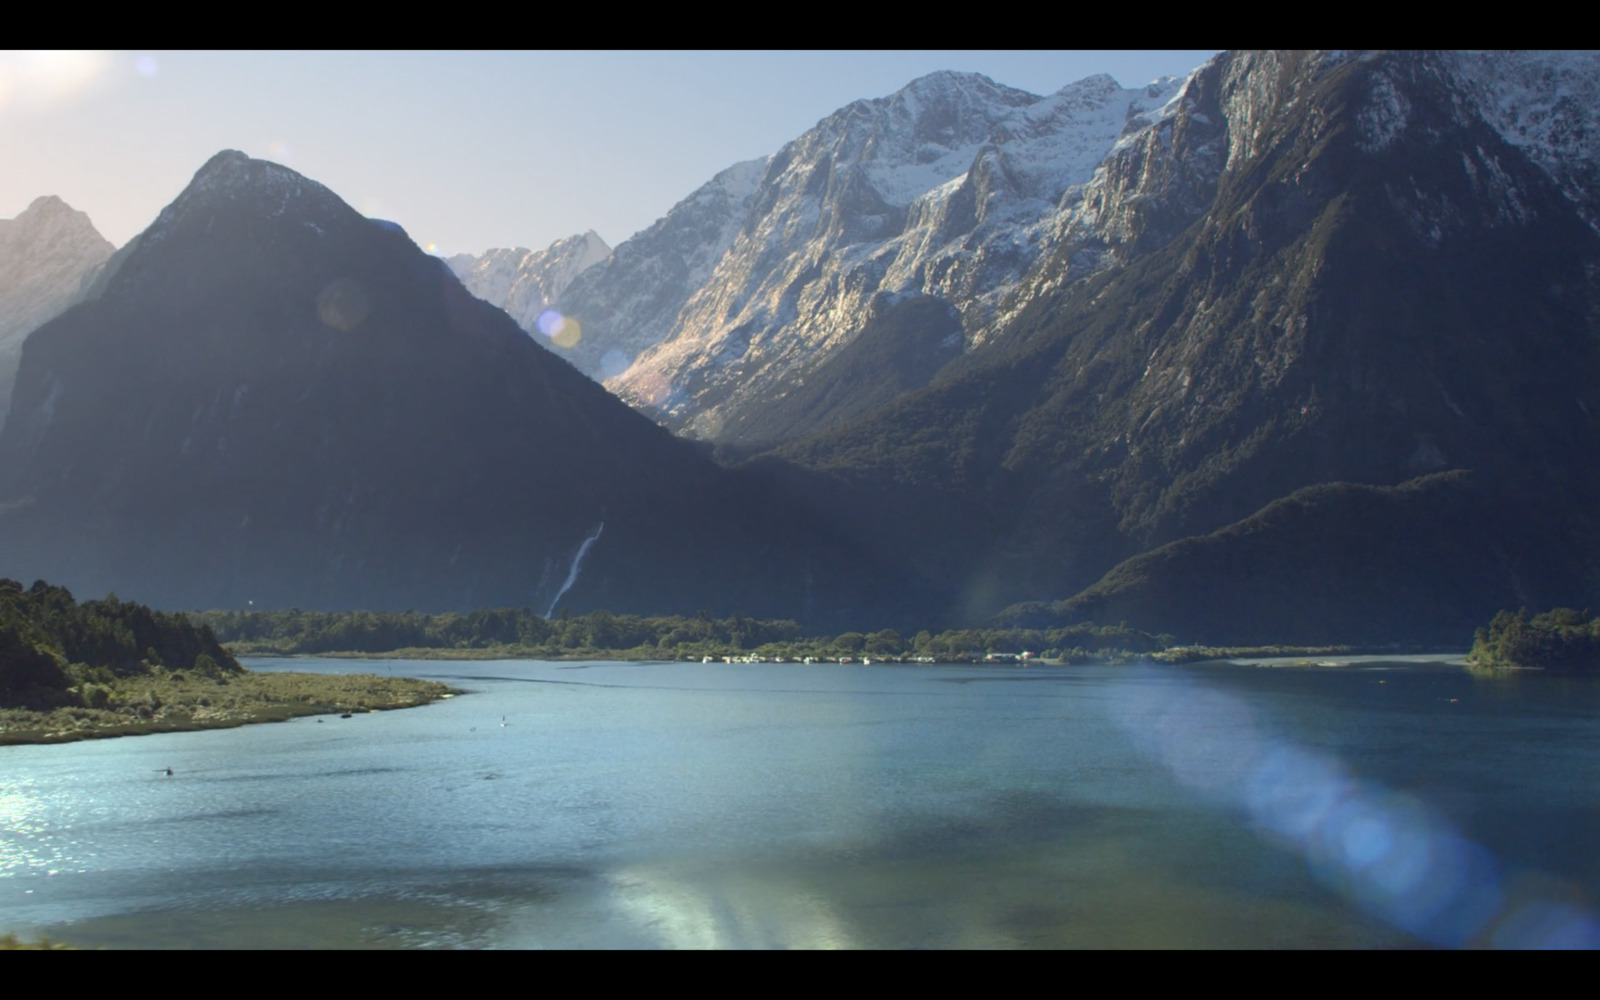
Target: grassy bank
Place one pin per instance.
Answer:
(10, 942)
(172, 701)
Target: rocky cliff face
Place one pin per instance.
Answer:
(947, 190)
(984, 199)
(632, 299)
(1311, 268)
(45, 254)
(1546, 104)
(525, 283)
(267, 397)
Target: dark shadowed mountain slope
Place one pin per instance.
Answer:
(1427, 561)
(270, 398)
(1382, 287)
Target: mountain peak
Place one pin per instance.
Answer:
(943, 86)
(48, 204)
(50, 212)
(227, 159)
(231, 169)
(253, 192)
(1102, 80)
(945, 78)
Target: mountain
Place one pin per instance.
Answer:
(631, 300)
(1300, 348)
(267, 397)
(947, 190)
(1373, 276)
(526, 282)
(45, 254)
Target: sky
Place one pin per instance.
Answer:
(466, 150)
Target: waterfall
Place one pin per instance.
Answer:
(577, 563)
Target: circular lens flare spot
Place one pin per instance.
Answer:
(649, 388)
(343, 304)
(563, 331)
(614, 363)
(567, 333)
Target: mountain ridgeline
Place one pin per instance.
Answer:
(1301, 348)
(270, 398)
(1382, 287)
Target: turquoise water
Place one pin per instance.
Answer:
(685, 805)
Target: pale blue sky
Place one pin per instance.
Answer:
(466, 150)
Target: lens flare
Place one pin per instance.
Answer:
(1386, 852)
(45, 80)
(1208, 741)
(563, 331)
(1548, 926)
(567, 333)
(343, 304)
(648, 388)
(1289, 792)
(614, 363)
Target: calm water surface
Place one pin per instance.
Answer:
(1380, 804)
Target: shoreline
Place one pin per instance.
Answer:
(1451, 658)
(1177, 656)
(139, 706)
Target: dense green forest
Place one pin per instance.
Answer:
(54, 650)
(521, 632)
(1560, 639)
(71, 671)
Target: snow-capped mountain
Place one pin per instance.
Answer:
(631, 300)
(726, 320)
(1547, 104)
(525, 282)
(1312, 354)
(45, 253)
(950, 188)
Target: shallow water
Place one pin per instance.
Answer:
(689, 805)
